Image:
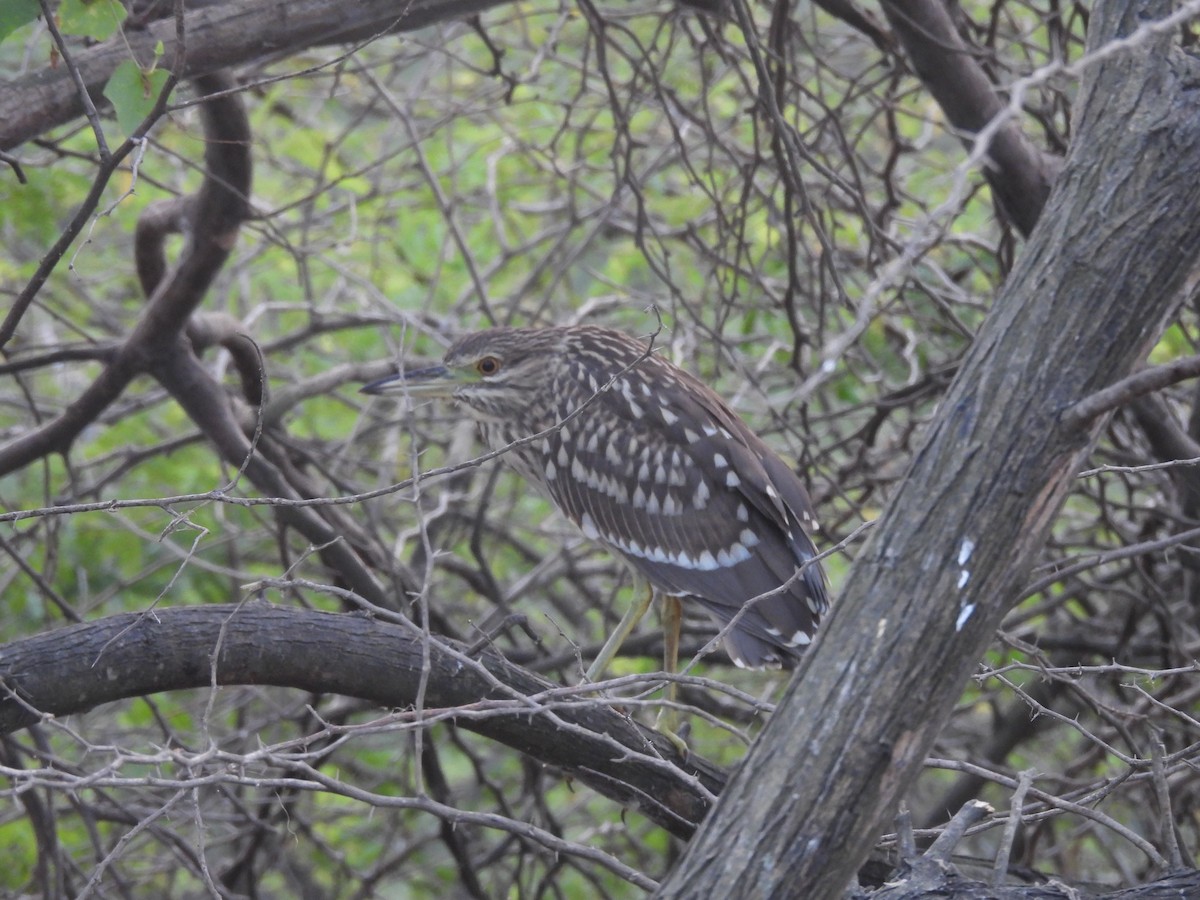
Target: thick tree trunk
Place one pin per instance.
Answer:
(1116, 250)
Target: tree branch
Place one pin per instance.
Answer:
(219, 37)
(219, 208)
(1019, 173)
(1148, 380)
(81, 666)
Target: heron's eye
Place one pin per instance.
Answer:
(489, 365)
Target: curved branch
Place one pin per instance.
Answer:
(81, 666)
(218, 210)
(328, 529)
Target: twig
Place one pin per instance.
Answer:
(1146, 381)
(1163, 792)
(1004, 854)
(89, 108)
(956, 829)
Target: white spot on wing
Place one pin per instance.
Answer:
(734, 555)
(589, 527)
(963, 615)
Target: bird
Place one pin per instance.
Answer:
(649, 461)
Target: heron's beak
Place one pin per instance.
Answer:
(435, 381)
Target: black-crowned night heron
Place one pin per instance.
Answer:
(647, 460)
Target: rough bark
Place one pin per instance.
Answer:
(1116, 250)
(79, 667)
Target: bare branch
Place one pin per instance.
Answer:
(220, 207)
(1019, 173)
(75, 668)
(1148, 380)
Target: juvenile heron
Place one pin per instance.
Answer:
(647, 460)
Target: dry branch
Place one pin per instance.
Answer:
(1019, 173)
(218, 37)
(81, 666)
(218, 210)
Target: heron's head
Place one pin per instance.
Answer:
(499, 373)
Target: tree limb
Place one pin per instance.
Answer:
(1146, 381)
(219, 208)
(219, 37)
(1019, 173)
(136, 654)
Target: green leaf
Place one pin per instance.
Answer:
(133, 92)
(97, 19)
(15, 13)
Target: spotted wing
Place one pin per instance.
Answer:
(658, 467)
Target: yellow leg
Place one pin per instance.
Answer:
(672, 619)
(642, 595)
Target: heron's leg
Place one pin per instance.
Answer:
(672, 619)
(643, 593)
